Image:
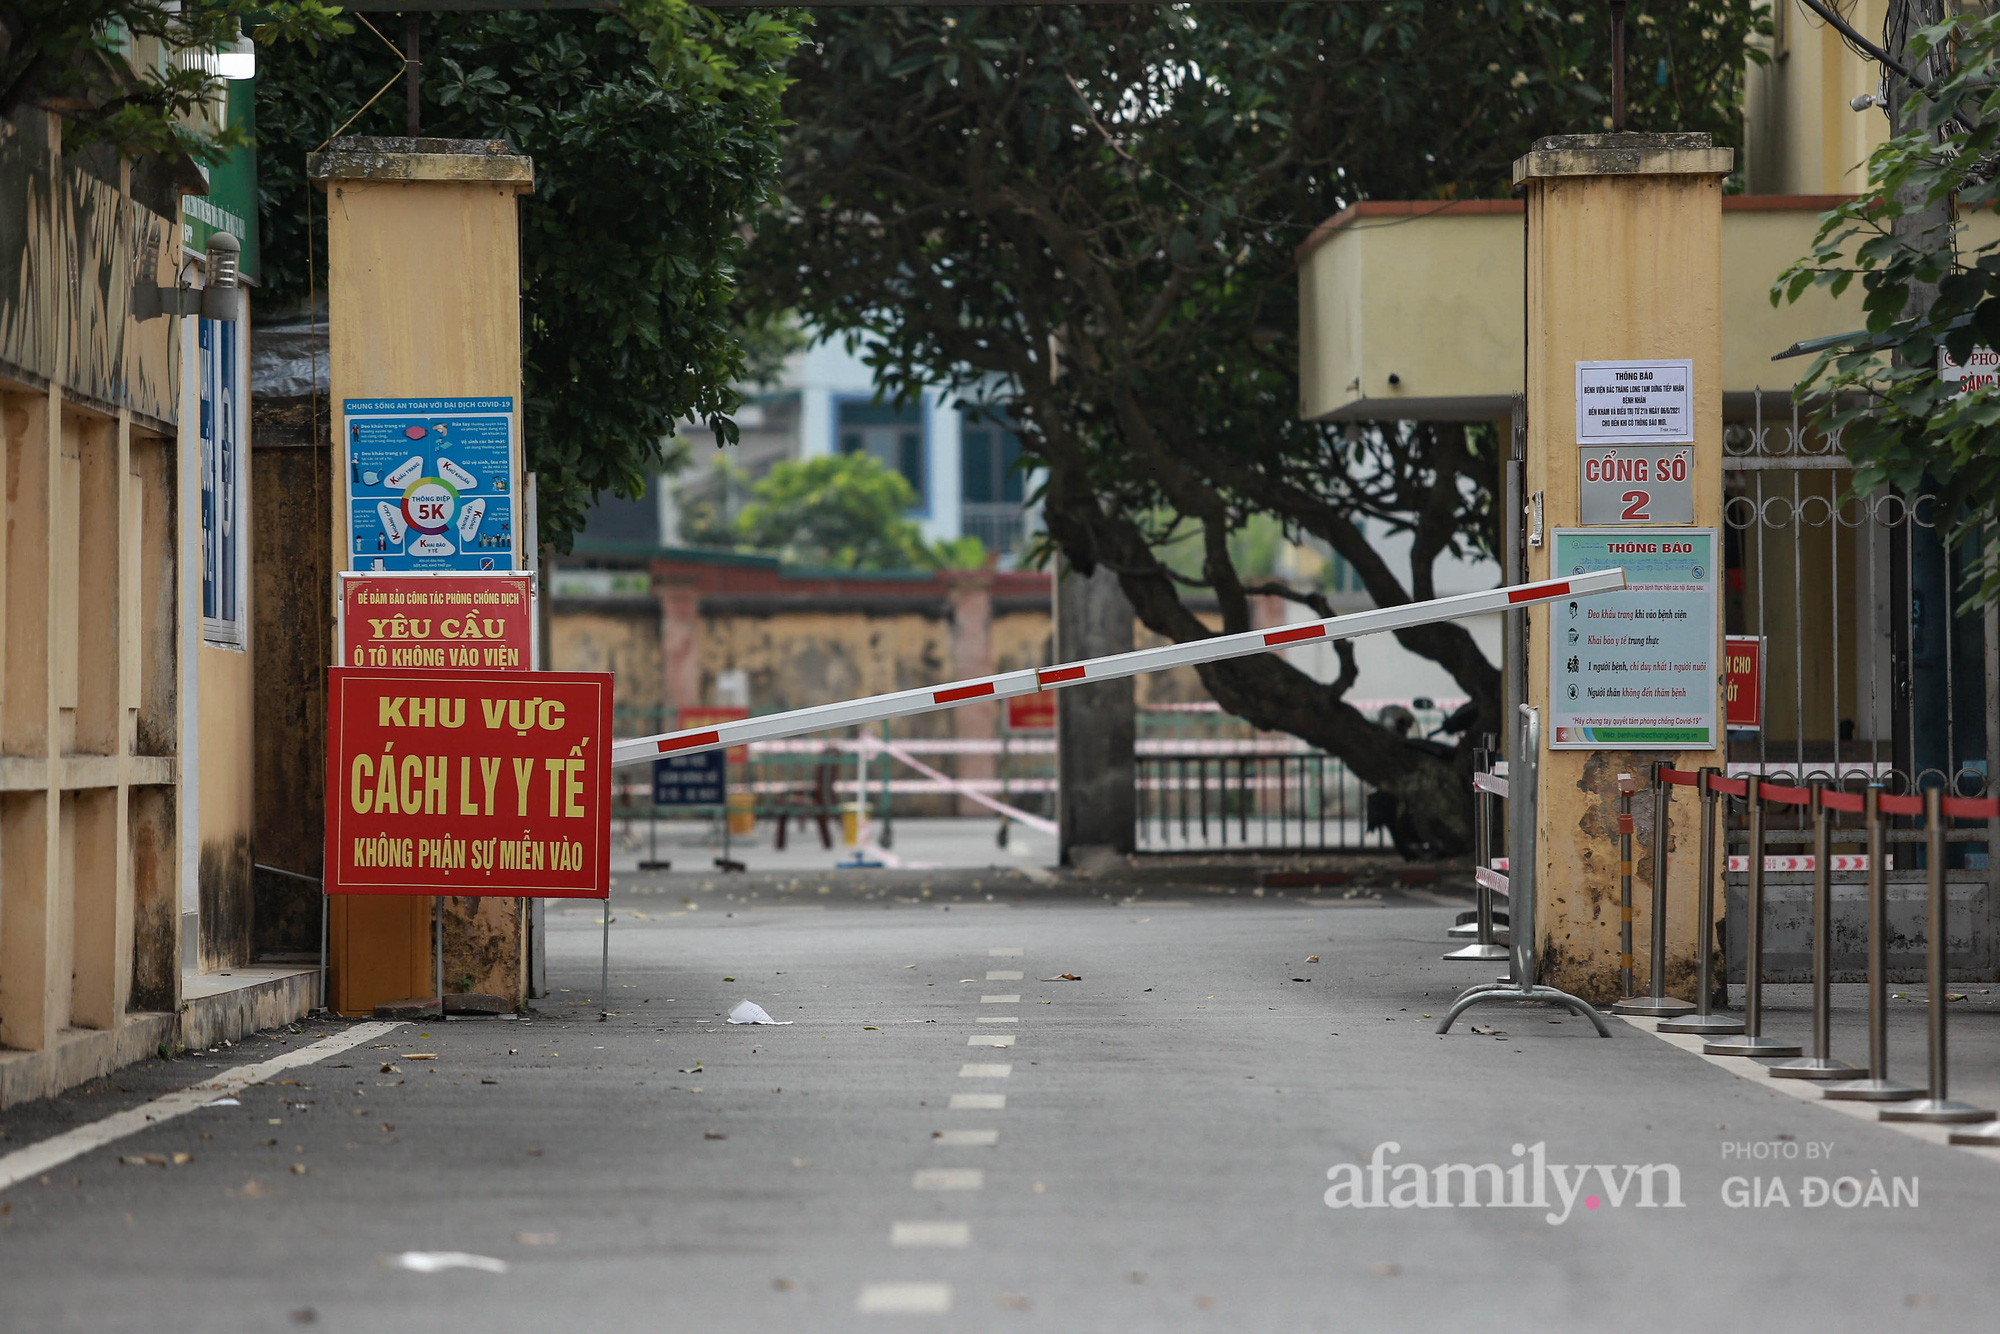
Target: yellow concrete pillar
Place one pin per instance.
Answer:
(1624, 264)
(423, 300)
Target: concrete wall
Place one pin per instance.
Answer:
(90, 675)
(1431, 294)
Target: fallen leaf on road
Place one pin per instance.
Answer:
(1063, 977)
(392, 1068)
(1312, 958)
(298, 1169)
(1484, 1031)
(182, 1159)
(713, 1134)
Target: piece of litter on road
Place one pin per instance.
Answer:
(226, 1102)
(420, 1056)
(436, 1262)
(750, 1012)
(1484, 1031)
(1312, 958)
(713, 1134)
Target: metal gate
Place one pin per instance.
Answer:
(1870, 674)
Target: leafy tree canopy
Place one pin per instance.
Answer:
(1087, 217)
(86, 57)
(654, 134)
(838, 511)
(1898, 420)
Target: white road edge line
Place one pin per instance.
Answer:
(1807, 1090)
(22, 1164)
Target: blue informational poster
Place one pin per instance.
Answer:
(690, 780)
(430, 483)
(1637, 669)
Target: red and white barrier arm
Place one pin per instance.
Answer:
(903, 703)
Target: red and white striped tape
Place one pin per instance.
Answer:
(903, 703)
(1842, 861)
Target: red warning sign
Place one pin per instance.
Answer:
(477, 622)
(473, 783)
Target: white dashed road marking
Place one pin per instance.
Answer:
(1000, 1000)
(966, 1139)
(930, 1234)
(990, 1040)
(978, 1102)
(984, 1071)
(904, 1299)
(948, 1178)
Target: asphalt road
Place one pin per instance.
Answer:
(1157, 1153)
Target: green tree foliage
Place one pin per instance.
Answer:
(836, 511)
(654, 134)
(1898, 422)
(85, 57)
(1087, 217)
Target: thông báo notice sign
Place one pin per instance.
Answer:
(1635, 669)
(468, 783)
(1634, 402)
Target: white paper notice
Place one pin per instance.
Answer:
(1634, 402)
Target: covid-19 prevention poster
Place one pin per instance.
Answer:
(430, 483)
(1636, 669)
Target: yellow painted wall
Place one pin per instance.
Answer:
(1802, 136)
(1619, 267)
(1436, 301)
(423, 292)
(224, 697)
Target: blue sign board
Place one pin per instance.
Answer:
(691, 780)
(430, 483)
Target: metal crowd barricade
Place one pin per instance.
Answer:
(1519, 885)
(1489, 784)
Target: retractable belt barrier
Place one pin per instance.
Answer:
(1520, 788)
(1909, 1102)
(1006, 685)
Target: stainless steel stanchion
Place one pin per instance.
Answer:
(1625, 786)
(1656, 1002)
(1702, 1020)
(439, 902)
(1877, 1087)
(1939, 1106)
(1485, 948)
(1752, 1042)
(1821, 1064)
(604, 968)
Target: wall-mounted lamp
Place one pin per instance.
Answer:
(221, 298)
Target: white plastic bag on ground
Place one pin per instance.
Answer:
(750, 1012)
(432, 1262)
